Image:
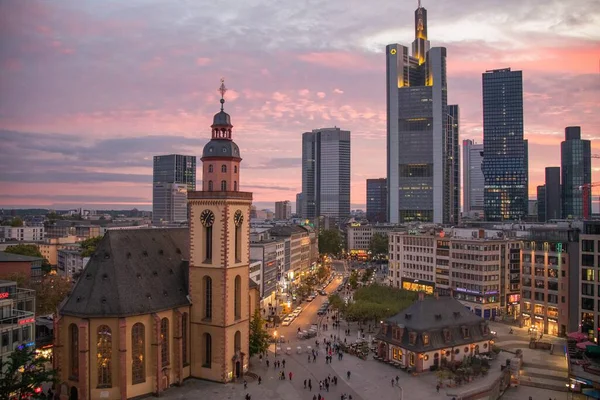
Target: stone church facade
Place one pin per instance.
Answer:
(157, 306)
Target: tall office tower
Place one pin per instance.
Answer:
(377, 200)
(504, 150)
(541, 203)
(452, 171)
(174, 175)
(473, 182)
(299, 205)
(326, 173)
(553, 193)
(575, 159)
(418, 146)
(283, 210)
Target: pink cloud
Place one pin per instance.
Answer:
(202, 61)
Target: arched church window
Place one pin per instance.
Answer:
(237, 297)
(164, 342)
(138, 353)
(210, 168)
(104, 356)
(74, 351)
(207, 289)
(210, 186)
(223, 186)
(207, 350)
(237, 341)
(235, 169)
(223, 168)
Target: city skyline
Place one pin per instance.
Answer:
(93, 93)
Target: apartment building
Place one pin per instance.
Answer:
(359, 236)
(70, 262)
(588, 303)
(477, 267)
(50, 247)
(30, 267)
(17, 319)
(22, 233)
(550, 277)
(266, 252)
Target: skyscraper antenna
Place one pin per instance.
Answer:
(419, 4)
(222, 90)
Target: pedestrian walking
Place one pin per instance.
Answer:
(305, 384)
(319, 396)
(397, 379)
(245, 385)
(437, 388)
(348, 374)
(283, 363)
(327, 385)
(259, 380)
(315, 397)
(267, 363)
(290, 374)
(392, 381)
(309, 358)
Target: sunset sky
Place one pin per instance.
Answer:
(91, 90)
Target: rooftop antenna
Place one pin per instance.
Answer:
(222, 90)
(419, 4)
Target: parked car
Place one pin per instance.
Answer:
(287, 321)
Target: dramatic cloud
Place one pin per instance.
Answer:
(92, 90)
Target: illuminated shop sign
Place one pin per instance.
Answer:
(4, 295)
(467, 291)
(26, 321)
(415, 285)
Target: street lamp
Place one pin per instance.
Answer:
(275, 336)
(401, 391)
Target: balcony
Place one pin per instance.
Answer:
(17, 318)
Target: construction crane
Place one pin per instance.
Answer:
(585, 192)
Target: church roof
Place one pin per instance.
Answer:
(221, 148)
(133, 272)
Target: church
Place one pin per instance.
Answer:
(156, 306)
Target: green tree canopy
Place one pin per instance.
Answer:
(23, 373)
(337, 303)
(322, 273)
(367, 274)
(353, 280)
(16, 222)
(378, 244)
(30, 250)
(330, 242)
(89, 246)
(50, 291)
(376, 302)
(259, 337)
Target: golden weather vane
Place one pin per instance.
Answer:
(222, 90)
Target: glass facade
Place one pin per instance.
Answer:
(422, 133)
(473, 181)
(173, 176)
(576, 171)
(326, 173)
(377, 200)
(505, 151)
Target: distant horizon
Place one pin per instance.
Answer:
(82, 118)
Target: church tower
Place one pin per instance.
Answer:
(219, 260)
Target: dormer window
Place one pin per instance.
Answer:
(446, 335)
(412, 338)
(465, 331)
(425, 339)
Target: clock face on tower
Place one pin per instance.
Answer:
(238, 218)
(207, 218)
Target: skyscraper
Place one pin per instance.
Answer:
(420, 149)
(541, 203)
(452, 171)
(473, 182)
(326, 173)
(299, 205)
(575, 159)
(553, 193)
(283, 210)
(173, 176)
(377, 200)
(504, 150)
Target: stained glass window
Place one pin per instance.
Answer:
(104, 355)
(138, 362)
(164, 341)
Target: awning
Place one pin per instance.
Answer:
(579, 336)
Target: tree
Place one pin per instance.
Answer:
(89, 246)
(23, 374)
(259, 338)
(30, 250)
(330, 242)
(50, 292)
(16, 222)
(366, 276)
(377, 302)
(322, 273)
(378, 245)
(19, 277)
(337, 303)
(353, 280)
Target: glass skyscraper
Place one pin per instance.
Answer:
(326, 174)
(575, 158)
(173, 176)
(422, 133)
(504, 150)
(473, 181)
(377, 200)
